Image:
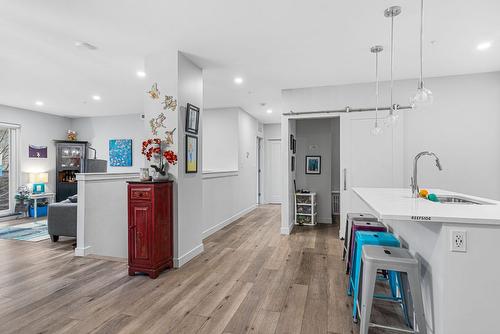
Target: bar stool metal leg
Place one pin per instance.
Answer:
(417, 301)
(368, 288)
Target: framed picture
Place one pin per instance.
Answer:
(191, 154)
(291, 142)
(37, 151)
(192, 119)
(293, 163)
(313, 164)
(294, 145)
(120, 152)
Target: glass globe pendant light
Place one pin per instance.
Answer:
(423, 96)
(376, 50)
(392, 12)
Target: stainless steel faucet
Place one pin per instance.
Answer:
(414, 180)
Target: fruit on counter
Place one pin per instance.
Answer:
(423, 193)
(432, 197)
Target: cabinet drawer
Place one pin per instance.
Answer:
(141, 193)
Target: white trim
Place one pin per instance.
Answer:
(10, 125)
(182, 260)
(82, 251)
(218, 174)
(228, 221)
(105, 176)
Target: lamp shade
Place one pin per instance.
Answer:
(39, 177)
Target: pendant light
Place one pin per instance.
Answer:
(423, 96)
(392, 12)
(376, 50)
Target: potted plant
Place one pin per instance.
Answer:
(22, 199)
(153, 151)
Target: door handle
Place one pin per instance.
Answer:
(345, 179)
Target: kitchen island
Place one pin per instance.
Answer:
(457, 242)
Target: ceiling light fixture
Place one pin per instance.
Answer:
(141, 74)
(376, 50)
(423, 96)
(269, 111)
(39, 103)
(483, 46)
(96, 98)
(238, 80)
(392, 12)
(85, 45)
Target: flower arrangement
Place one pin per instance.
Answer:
(152, 148)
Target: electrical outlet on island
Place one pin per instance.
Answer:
(458, 241)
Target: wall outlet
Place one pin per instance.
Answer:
(458, 241)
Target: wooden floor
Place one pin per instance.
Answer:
(250, 279)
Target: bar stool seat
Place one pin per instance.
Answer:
(396, 259)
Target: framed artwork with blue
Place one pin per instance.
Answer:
(120, 152)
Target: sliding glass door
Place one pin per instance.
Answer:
(8, 169)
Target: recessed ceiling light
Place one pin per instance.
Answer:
(141, 74)
(96, 97)
(483, 46)
(269, 111)
(238, 80)
(85, 45)
(39, 103)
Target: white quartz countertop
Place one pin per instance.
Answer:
(398, 204)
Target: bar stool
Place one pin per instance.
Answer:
(363, 238)
(348, 228)
(395, 259)
(361, 225)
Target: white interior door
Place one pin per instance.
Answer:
(273, 177)
(367, 160)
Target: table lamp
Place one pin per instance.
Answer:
(39, 180)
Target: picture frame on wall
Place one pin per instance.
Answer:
(291, 142)
(191, 154)
(294, 145)
(313, 164)
(35, 151)
(120, 152)
(192, 119)
(293, 163)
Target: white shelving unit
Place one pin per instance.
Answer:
(306, 210)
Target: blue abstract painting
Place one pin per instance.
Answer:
(120, 152)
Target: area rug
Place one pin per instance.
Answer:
(33, 231)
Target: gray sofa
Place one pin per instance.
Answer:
(61, 218)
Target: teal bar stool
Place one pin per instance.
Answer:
(361, 239)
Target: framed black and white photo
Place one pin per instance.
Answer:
(293, 163)
(294, 146)
(291, 142)
(313, 164)
(192, 119)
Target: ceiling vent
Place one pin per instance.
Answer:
(85, 45)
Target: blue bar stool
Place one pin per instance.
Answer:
(361, 239)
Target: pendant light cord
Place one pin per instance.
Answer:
(421, 83)
(376, 89)
(392, 62)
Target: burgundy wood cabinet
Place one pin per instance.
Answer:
(150, 227)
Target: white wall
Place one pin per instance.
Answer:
(272, 131)
(99, 130)
(314, 137)
(221, 142)
(227, 196)
(38, 129)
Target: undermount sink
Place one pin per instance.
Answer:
(451, 199)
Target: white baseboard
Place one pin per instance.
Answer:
(287, 230)
(226, 222)
(82, 251)
(182, 260)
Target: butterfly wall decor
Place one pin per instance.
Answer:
(169, 103)
(154, 92)
(156, 123)
(170, 137)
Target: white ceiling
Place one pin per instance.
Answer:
(273, 45)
